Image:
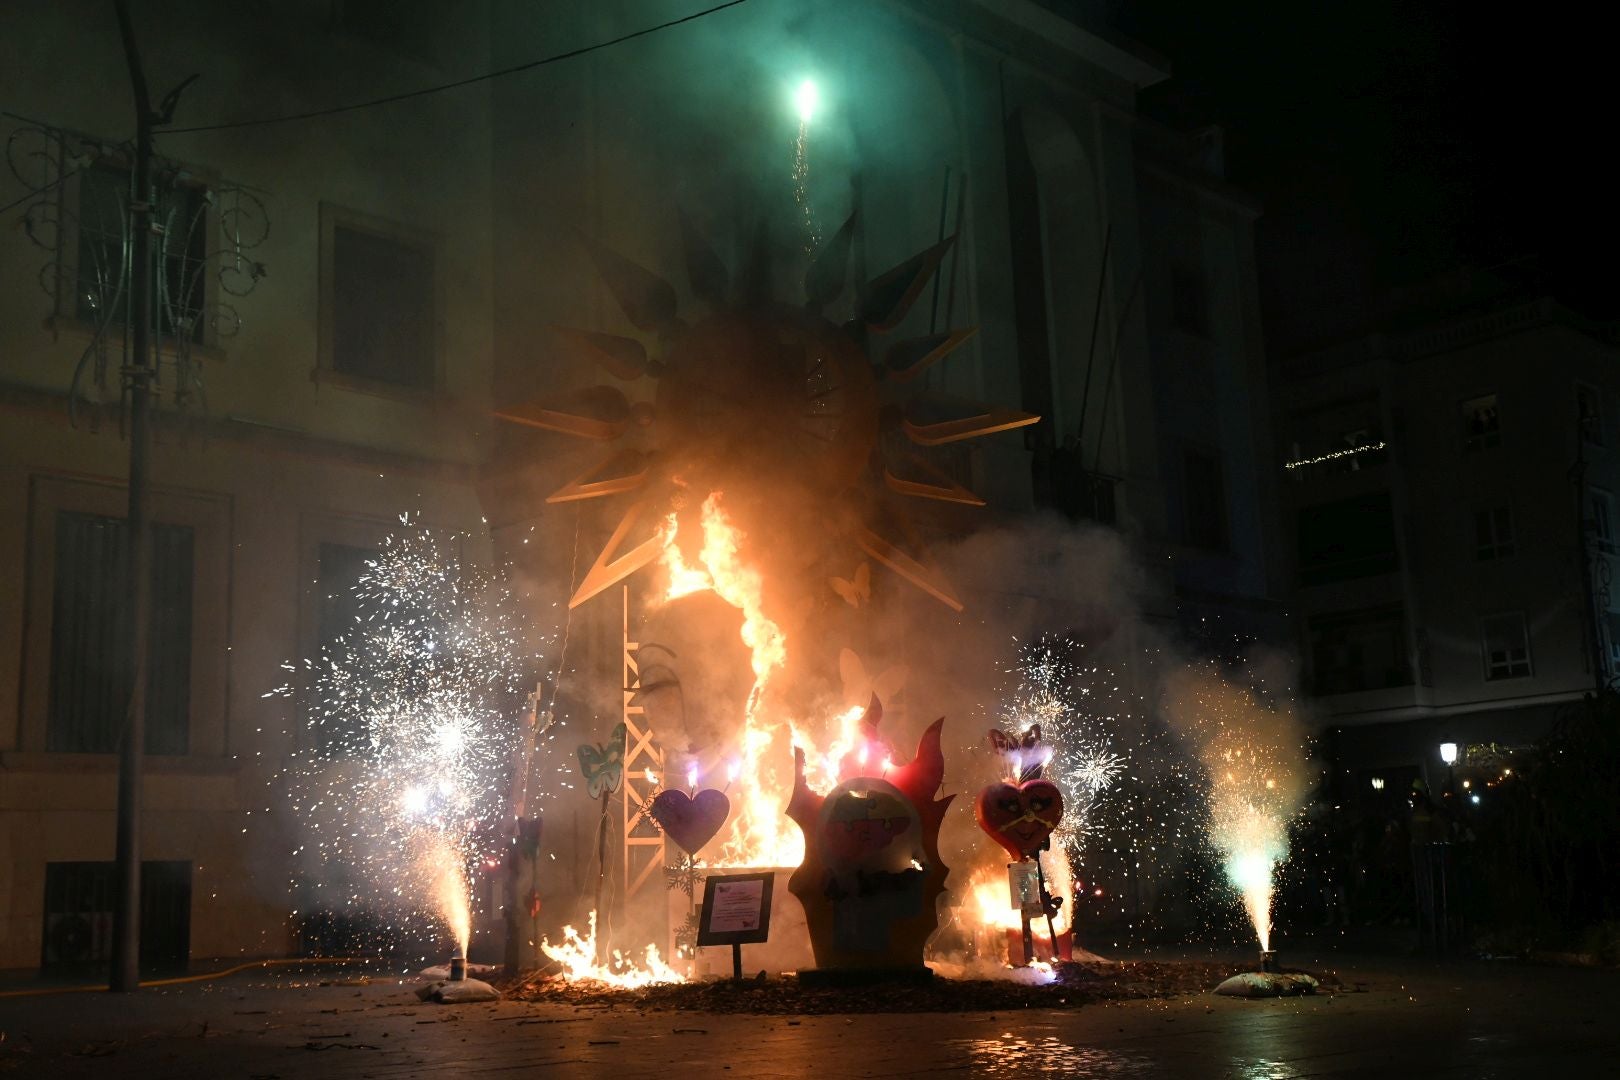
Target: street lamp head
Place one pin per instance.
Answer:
(1448, 753)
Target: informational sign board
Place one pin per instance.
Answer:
(736, 909)
(1023, 890)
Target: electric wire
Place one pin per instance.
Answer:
(583, 50)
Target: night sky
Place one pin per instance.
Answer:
(1394, 141)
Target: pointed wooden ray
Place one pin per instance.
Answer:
(942, 489)
(887, 297)
(600, 413)
(610, 567)
(825, 278)
(982, 420)
(910, 358)
(704, 270)
(907, 567)
(622, 357)
(620, 471)
(646, 299)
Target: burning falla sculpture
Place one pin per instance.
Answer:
(769, 402)
(872, 874)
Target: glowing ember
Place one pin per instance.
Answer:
(577, 955)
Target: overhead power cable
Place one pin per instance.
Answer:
(427, 90)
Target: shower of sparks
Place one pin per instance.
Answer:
(1253, 754)
(401, 781)
(1053, 692)
(801, 186)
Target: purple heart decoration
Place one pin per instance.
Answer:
(690, 822)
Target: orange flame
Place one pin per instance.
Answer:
(759, 833)
(577, 955)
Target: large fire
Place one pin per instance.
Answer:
(758, 833)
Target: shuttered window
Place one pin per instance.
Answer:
(90, 636)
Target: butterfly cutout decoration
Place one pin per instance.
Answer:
(860, 686)
(1026, 752)
(602, 765)
(857, 587)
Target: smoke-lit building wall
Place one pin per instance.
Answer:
(1104, 263)
(300, 457)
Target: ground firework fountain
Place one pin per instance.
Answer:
(1252, 752)
(403, 783)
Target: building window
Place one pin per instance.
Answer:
(1347, 539)
(1602, 524)
(1493, 533)
(1189, 306)
(338, 614)
(1507, 646)
(1359, 650)
(1204, 494)
(79, 911)
(90, 637)
(379, 321)
(101, 282)
(1589, 413)
(1481, 424)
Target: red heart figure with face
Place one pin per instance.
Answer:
(1020, 817)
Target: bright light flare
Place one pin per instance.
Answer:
(806, 97)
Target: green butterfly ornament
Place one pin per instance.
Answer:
(602, 765)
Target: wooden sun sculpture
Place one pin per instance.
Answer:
(767, 397)
(872, 875)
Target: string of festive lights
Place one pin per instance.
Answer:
(1335, 455)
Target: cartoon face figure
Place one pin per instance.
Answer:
(867, 824)
(1020, 817)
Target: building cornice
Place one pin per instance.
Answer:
(52, 407)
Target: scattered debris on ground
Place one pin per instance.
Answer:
(1073, 984)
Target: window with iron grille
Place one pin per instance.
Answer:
(101, 283)
(90, 627)
(1506, 646)
(381, 319)
(1493, 533)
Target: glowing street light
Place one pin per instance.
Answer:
(806, 98)
(1448, 753)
